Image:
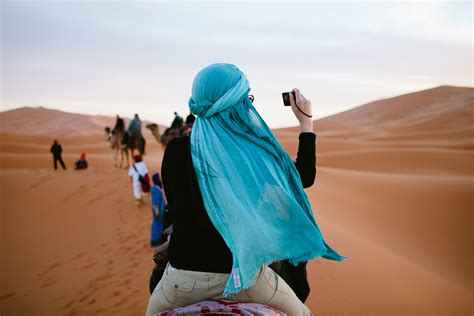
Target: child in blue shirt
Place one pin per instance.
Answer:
(158, 206)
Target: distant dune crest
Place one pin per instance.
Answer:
(40, 121)
(413, 108)
(438, 108)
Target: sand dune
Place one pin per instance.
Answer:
(403, 111)
(41, 121)
(51, 122)
(393, 193)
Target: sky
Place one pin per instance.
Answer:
(117, 57)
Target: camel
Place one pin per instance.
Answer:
(136, 142)
(165, 139)
(115, 140)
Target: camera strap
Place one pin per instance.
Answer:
(296, 104)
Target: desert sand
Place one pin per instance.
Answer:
(393, 193)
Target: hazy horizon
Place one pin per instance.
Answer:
(130, 115)
(107, 58)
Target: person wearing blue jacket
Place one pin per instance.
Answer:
(158, 206)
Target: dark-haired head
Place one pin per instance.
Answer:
(137, 158)
(157, 179)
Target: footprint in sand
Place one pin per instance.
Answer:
(54, 266)
(126, 282)
(133, 265)
(78, 191)
(51, 267)
(104, 277)
(120, 302)
(87, 266)
(34, 185)
(98, 198)
(47, 283)
(6, 296)
(69, 304)
(137, 251)
(79, 256)
(85, 297)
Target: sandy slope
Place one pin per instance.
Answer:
(53, 123)
(393, 193)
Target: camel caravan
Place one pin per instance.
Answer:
(130, 141)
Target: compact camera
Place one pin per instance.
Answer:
(286, 98)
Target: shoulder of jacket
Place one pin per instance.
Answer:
(178, 142)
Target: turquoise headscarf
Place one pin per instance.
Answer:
(250, 186)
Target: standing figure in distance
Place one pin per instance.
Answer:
(57, 150)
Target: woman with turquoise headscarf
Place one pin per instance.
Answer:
(238, 201)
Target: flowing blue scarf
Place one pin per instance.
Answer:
(250, 186)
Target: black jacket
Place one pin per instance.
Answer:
(56, 150)
(195, 243)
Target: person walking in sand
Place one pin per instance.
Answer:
(57, 150)
(158, 206)
(228, 182)
(136, 170)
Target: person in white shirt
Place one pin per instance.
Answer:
(136, 169)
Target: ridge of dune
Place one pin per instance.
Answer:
(41, 121)
(437, 108)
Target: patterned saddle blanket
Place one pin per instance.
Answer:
(222, 307)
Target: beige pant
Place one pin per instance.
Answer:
(180, 288)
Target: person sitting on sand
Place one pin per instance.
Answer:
(136, 170)
(238, 201)
(158, 206)
(82, 162)
(57, 150)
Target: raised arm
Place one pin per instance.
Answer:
(306, 157)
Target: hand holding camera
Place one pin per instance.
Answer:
(301, 107)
